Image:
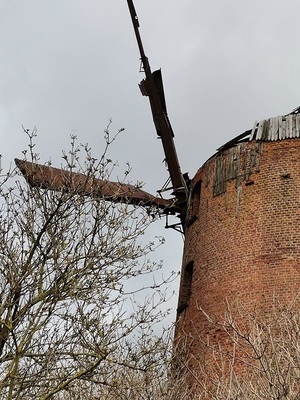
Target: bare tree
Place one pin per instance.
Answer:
(81, 310)
(256, 356)
(72, 316)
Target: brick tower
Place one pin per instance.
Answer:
(242, 241)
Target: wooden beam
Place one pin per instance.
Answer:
(56, 179)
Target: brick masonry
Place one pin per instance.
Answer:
(243, 237)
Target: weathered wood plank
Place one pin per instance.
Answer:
(275, 129)
(280, 128)
(294, 125)
(259, 135)
(254, 131)
(297, 126)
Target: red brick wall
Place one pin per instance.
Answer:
(244, 240)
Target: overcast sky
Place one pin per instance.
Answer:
(68, 66)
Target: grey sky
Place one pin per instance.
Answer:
(69, 66)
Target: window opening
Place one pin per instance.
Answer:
(186, 287)
(195, 203)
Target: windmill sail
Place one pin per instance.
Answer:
(152, 86)
(56, 179)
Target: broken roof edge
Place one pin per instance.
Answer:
(272, 129)
(280, 128)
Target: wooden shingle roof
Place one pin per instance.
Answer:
(276, 128)
(267, 130)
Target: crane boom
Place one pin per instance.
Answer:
(152, 86)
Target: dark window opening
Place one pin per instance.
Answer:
(195, 203)
(186, 287)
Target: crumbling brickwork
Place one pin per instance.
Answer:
(243, 238)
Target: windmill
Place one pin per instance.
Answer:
(239, 214)
(152, 87)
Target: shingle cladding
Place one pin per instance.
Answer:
(276, 128)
